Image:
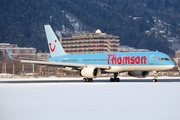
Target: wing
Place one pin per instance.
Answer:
(64, 64)
(58, 64)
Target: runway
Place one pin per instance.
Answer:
(71, 99)
(79, 80)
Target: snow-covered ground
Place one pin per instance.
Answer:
(90, 101)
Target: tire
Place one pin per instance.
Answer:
(117, 79)
(90, 80)
(154, 80)
(111, 79)
(84, 80)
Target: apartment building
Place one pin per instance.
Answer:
(91, 43)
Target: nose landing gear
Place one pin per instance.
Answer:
(155, 76)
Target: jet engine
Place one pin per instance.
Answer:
(138, 74)
(90, 72)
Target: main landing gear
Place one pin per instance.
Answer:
(115, 79)
(155, 76)
(87, 80)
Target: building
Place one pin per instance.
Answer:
(43, 56)
(15, 67)
(18, 51)
(177, 54)
(131, 49)
(177, 59)
(90, 43)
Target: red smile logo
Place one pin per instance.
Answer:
(52, 48)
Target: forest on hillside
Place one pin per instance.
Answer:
(21, 22)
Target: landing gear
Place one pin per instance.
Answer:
(115, 79)
(87, 80)
(155, 76)
(154, 80)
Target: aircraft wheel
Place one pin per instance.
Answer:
(117, 79)
(111, 79)
(90, 80)
(84, 79)
(87, 80)
(154, 80)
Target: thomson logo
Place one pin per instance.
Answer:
(112, 59)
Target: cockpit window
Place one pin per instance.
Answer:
(161, 59)
(166, 58)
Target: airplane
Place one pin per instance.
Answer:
(89, 66)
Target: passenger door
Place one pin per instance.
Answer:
(151, 59)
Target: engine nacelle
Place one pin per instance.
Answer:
(90, 72)
(138, 74)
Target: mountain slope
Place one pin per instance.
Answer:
(22, 21)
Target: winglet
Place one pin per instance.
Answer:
(9, 55)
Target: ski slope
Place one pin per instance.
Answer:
(90, 101)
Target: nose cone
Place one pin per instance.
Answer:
(171, 65)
